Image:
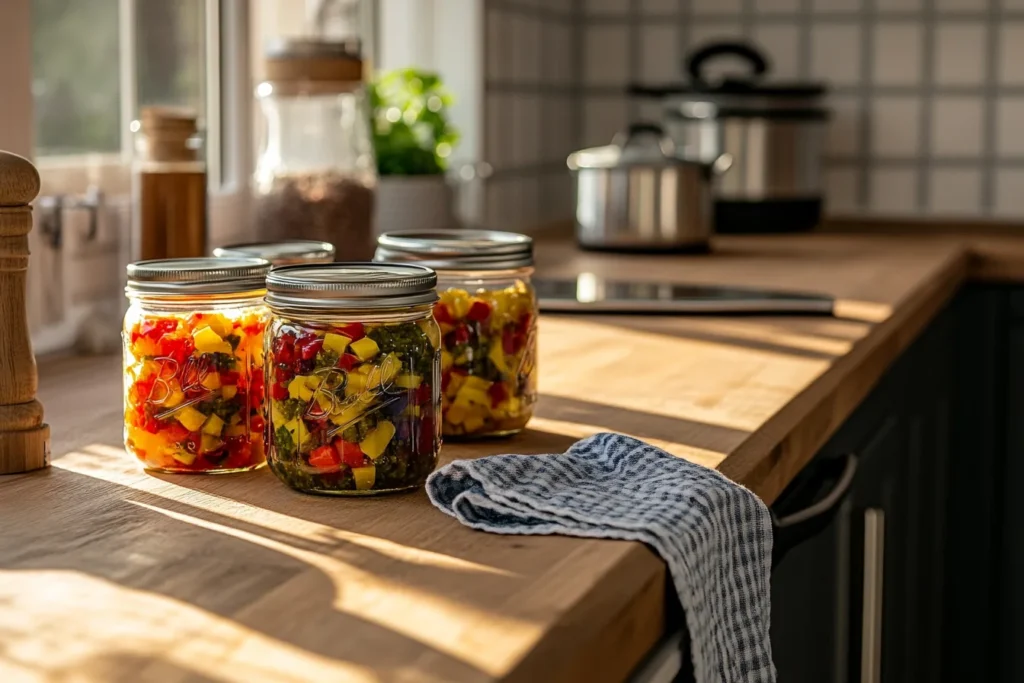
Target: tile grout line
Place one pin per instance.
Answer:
(804, 25)
(927, 102)
(747, 18)
(867, 62)
(989, 118)
(633, 58)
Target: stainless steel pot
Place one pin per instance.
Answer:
(636, 194)
(775, 134)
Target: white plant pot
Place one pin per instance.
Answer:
(413, 203)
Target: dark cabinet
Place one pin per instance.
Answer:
(862, 600)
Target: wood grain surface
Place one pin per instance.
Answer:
(110, 574)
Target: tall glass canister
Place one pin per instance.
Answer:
(316, 176)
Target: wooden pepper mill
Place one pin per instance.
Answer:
(24, 439)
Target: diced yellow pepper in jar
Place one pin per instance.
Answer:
(208, 341)
(191, 419)
(408, 381)
(473, 423)
(457, 414)
(364, 477)
(183, 456)
(299, 388)
(218, 323)
(213, 425)
(208, 443)
(211, 381)
(374, 444)
(173, 399)
(382, 374)
(365, 348)
(497, 356)
(228, 391)
(336, 342)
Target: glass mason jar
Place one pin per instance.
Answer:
(353, 377)
(487, 314)
(193, 364)
(316, 175)
(289, 253)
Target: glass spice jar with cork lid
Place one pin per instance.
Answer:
(316, 175)
(168, 186)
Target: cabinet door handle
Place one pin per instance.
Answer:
(871, 615)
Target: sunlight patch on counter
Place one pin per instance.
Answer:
(75, 628)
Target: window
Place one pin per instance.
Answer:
(95, 64)
(75, 74)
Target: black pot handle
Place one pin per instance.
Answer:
(797, 527)
(694, 63)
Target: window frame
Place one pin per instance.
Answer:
(228, 113)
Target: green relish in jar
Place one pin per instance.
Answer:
(353, 377)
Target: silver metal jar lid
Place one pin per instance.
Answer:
(457, 249)
(205, 275)
(351, 286)
(287, 253)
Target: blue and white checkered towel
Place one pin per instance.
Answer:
(715, 535)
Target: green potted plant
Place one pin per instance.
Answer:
(413, 140)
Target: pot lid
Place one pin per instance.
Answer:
(642, 144)
(354, 285)
(285, 253)
(457, 249)
(751, 84)
(207, 275)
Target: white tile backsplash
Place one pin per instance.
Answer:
(829, 6)
(962, 5)
(699, 7)
(1010, 127)
(843, 132)
(525, 49)
(660, 7)
(557, 124)
(893, 192)
(525, 129)
(567, 64)
(959, 53)
(955, 191)
(557, 53)
(895, 127)
(776, 6)
(836, 54)
(1009, 194)
(706, 32)
(897, 58)
(781, 42)
(606, 55)
(883, 6)
(607, 6)
(1011, 53)
(498, 61)
(956, 126)
(841, 191)
(660, 58)
(603, 117)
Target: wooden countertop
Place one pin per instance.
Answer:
(109, 574)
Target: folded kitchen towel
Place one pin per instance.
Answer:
(715, 535)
